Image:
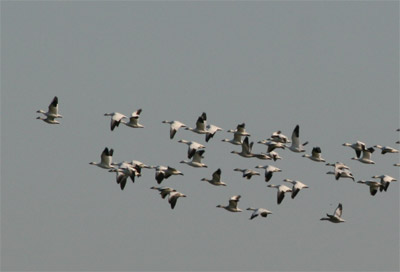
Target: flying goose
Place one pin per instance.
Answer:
(357, 146)
(315, 155)
(164, 172)
(296, 145)
(271, 145)
(173, 197)
(282, 189)
(386, 149)
(338, 165)
(247, 173)
(196, 160)
(277, 136)
(336, 217)
(297, 186)
(200, 125)
(366, 156)
(52, 112)
(174, 127)
(240, 130)
(237, 139)
(116, 118)
(48, 119)
(106, 159)
(124, 171)
(192, 147)
(258, 211)
(269, 170)
(274, 155)
(164, 191)
(246, 149)
(233, 202)
(211, 130)
(134, 120)
(216, 178)
(385, 181)
(341, 171)
(373, 185)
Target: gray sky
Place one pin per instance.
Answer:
(331, 67)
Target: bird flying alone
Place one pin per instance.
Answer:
(336, 217)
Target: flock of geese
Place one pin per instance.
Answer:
(130, 170)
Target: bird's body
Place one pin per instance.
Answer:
(173, 197)
(164, 191)
(246, 149)
(271, 145)
(124, 171)
(366, 156)
(315, 155)
(196, 160)
(269, 170)
(52, 112)
(336, 217)
(247, 173)
(211, 130)
(296, 146)
(192, 147)
(106, 159)
(385, 181)
(282, 189)
(134, 120)
(233, 202)
(277, 136)
(240, 130)
(258, 211)
(216, 178)
(49, 120)
(237, 139)
(116, 119)
(357, 146)
(373, 185)
(164, 172)
(201, 124)
(386, 149)
(174, 127)
(297, 186)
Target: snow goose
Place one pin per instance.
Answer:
(240, 130)
(366, 156)
(211, 130)
(134, 120)
(373, 185)
(174, 127)
(277, 136)
(124, 171)
(173, 197)
(53, 110)
(357, 146)
(258, 211)
(296, 145)
(106, 159)
(396, 164)
(246, 149)
(385, 181)
(341, 172)
(164, 191)
(192, 147)
(274, 155)
(164, 172)
(196, 160)
(336, 217)
(233, 203)
(338, 165)
(315, 155)
(282, 189)
(48, 119)
(386, 149)
(297, 186)
(116, 118)
(237, 139)
(271, 145)
(216, 178)
(269, 170)
(247, 173)
(200, 125)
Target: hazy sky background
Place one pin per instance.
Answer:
(331, 67)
